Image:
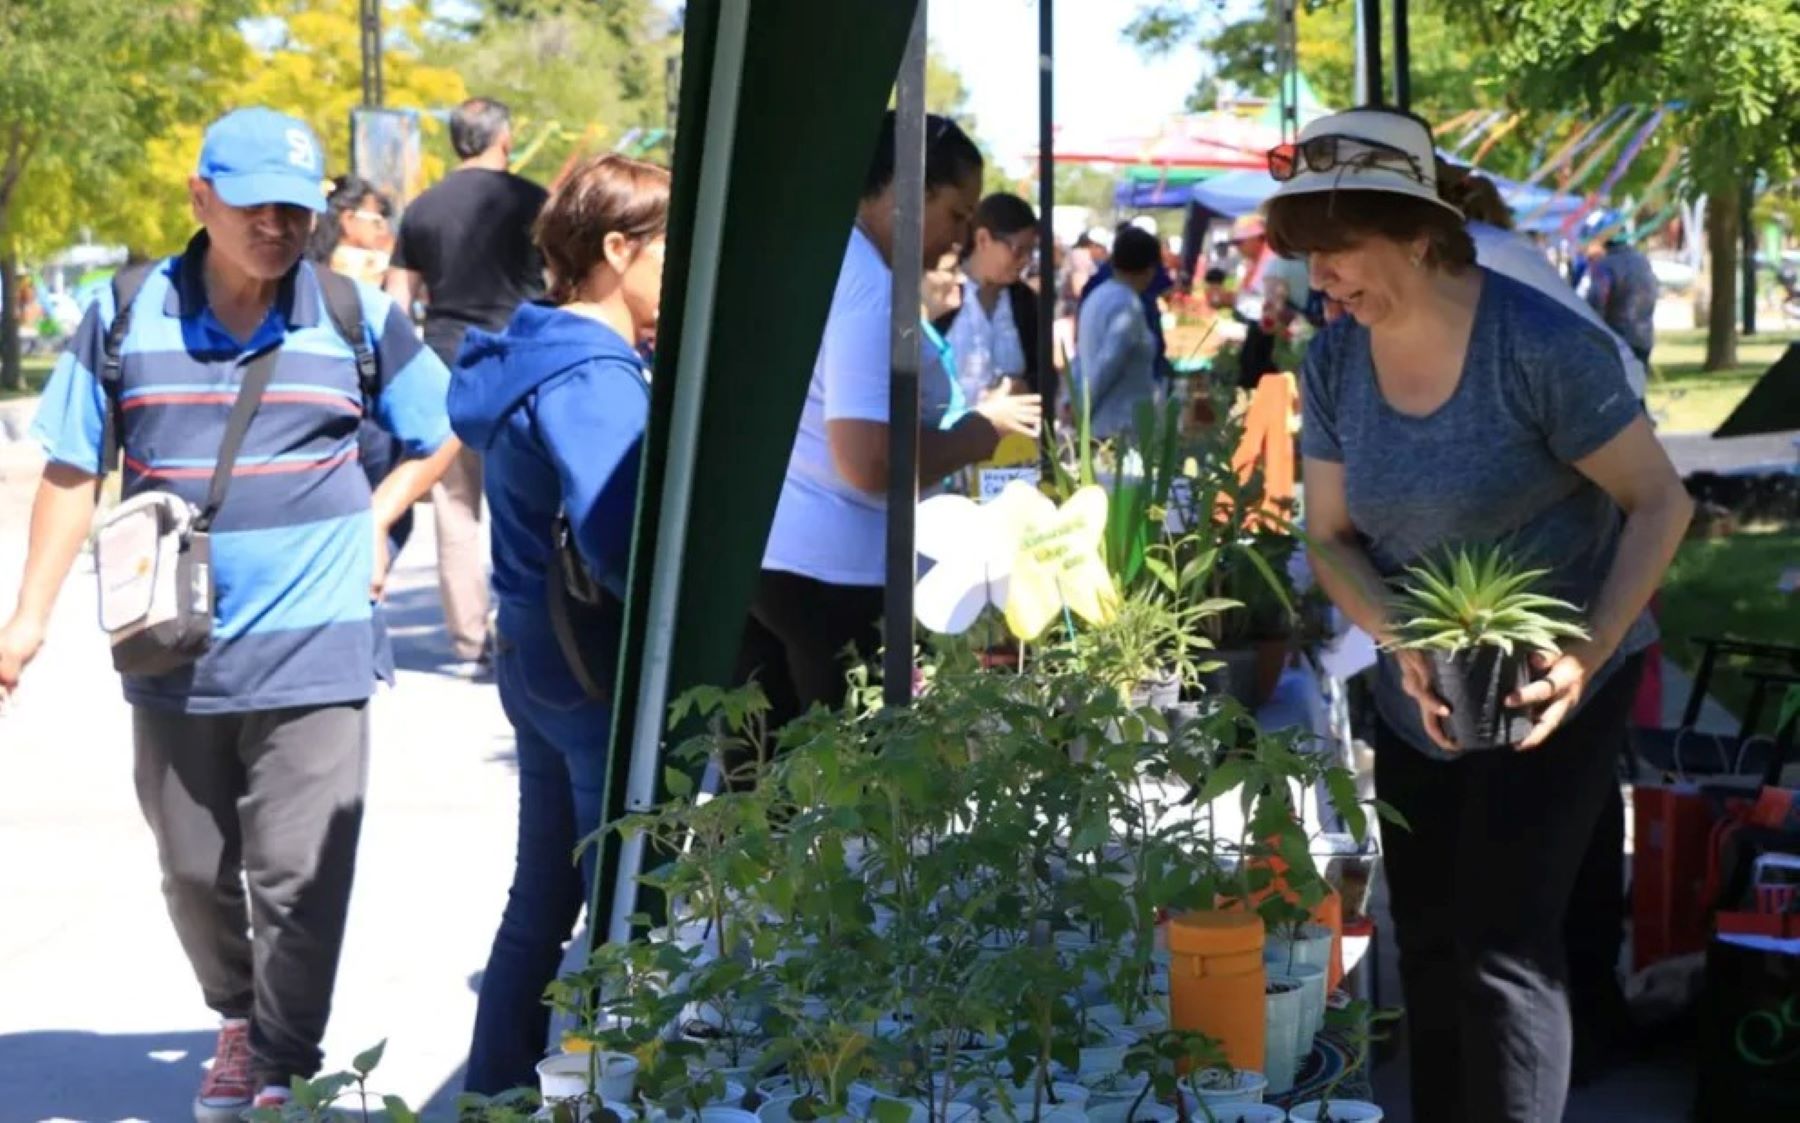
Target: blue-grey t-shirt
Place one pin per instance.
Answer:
(1541, 388)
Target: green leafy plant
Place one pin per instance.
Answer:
(1479, 596)
(1360, 1025)
(313, 1101)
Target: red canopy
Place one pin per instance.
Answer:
(1224, 141)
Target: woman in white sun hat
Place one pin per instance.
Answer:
(1454, 406)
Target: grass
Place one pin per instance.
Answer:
(37, 369)
(1729, 588)
(1685, 399)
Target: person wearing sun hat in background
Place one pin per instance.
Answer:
(250, 763)
(1271, 291)
(1448, 406)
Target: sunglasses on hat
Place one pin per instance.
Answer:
(1331, 152)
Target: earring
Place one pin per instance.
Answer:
(1417, 260)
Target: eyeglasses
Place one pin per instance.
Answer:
(376, 217)
(1014, 246)
(1326, 153)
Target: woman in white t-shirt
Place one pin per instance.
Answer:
(824, 568)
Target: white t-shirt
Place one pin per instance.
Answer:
(1513, 255)
(824, 528)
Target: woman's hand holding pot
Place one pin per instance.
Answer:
(1415, 679)
(1564, 678)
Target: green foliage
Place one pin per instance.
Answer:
(316, 1100)
(1480, 596)
(911, 899)
(578, 74)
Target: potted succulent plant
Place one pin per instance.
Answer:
(1477, 615)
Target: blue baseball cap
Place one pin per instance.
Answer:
(257, 156)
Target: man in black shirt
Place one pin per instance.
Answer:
(465, 251)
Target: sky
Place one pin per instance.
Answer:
(1103, 85)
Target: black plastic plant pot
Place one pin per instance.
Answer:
(1475, 682)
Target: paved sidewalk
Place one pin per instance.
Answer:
(100, 1019)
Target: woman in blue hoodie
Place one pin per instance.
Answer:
(557, 405)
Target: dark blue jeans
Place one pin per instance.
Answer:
(562, 756)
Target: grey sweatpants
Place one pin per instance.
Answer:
(271, 800)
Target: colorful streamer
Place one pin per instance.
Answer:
(1456, 122)
(1478, 130)
(1579, 143)
(1496, 137)
(1612, 178)
(1537, 153)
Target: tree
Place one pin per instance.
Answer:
(1733, 65)
(313, 70)
(86, 82)
(578, 74)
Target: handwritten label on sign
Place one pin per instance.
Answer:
(993, 481)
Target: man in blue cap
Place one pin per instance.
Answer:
(251, 759)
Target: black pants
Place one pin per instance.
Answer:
(256, 817)
(1480, 887)
(801, 639)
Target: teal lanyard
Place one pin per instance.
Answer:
(959, 403)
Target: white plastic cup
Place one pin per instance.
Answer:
(1342, 1111)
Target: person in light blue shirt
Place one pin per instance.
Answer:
(251, 762)
(1115, 351)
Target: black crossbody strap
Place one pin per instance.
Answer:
(249, 396)
(126, 284)
(345, 308)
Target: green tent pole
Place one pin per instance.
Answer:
(683, 445)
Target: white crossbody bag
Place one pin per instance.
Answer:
(153, 556)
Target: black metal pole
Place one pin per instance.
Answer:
(370, 25)
(903, 390)
(1371, 50)
(1046, 325)
(1749, 255)
(1402, 57)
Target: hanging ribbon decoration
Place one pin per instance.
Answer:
(1570, 182)
(1577, 144)
(1652, 191)
(1625, 160)
(1480, 128)
(1556, 126)
(1456, 122)
(1496, 137)
(1654, 222)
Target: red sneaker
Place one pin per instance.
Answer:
(227, 1085)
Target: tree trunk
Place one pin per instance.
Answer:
(12, 371)
(1723, 215)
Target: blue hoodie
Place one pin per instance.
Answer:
(556, 405)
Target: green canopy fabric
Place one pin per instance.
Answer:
(796, 106)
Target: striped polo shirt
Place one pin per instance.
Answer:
(292, 547)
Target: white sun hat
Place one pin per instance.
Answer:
(1362, 150)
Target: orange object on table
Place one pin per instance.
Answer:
(1216, 980)
(1330, 913)
(1268, 441)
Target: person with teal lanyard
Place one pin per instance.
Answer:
(958, 404)
(824, 566)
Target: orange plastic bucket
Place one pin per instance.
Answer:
(1216, 981)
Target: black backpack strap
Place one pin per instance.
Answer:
(126, 284)
(346, 311)
(249, 396)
